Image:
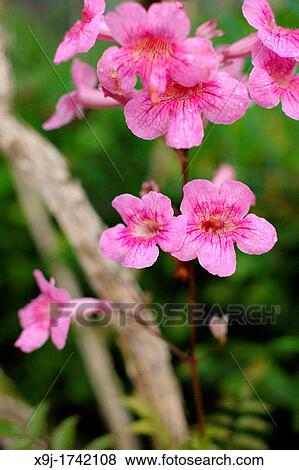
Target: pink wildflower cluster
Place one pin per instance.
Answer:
(186, 81)
(274, 57)
(213, 219)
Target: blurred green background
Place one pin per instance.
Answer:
(263, 147)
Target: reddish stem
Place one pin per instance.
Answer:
(183, 156)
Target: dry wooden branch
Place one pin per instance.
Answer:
(93, 347)
(146, 357)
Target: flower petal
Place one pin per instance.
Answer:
(67, 109)
(115, 242)
(48, 289)
(258, 13)
(157, 207)
(96, 6)
(173, 235)
(280, 67)
(282, 41)
(236, 199)
(81, 37)
(116, 70)
(145, 119)
(142, 254)
(59, 332)
(96, 99)
(216, 253)
(224, 100)
(84, 75)
(153, 73)
(234, 67)
(185, 129)
(127, 23)
(263, 89)
(129, 207)
(290, 99)
(32, 338)
(194, 61)
(199, 197)
(255, 235)
(168, 20)
(44, 285)
(188, 250)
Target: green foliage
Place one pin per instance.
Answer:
(147, 422)
(239, 423)
(64, 435)
(104, 442)
(38, 424)
(8, 429)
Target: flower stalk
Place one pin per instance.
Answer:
(183, 156)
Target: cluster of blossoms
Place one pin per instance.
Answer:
(186, 82)
(213, 218)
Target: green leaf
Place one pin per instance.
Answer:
(138, 406)
(64, 435)
(104, 442)
(23, 443)
(142, 427)
(253, 424)
(247, 441)
(287, 345)
(9, 429)
(38, 422)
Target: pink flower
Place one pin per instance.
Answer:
(86, 95)
(148, 186)
(224, 173)
(241, 48)
(209, 30)
(219, 327)
(222, 100)
(232, 57)
(234, 68)
(272, 80)
(282, 41)
(149, 222)
(83, 34)
(154, 46)
(216, 219)
(44, 317)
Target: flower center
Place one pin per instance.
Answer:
(179, 92)
(147, 229)
(152, 48)
(213, 225)
(283, 83)
(282, 78)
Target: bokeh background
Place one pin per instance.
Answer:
(263, 147)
